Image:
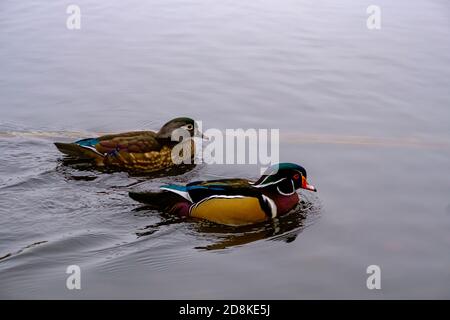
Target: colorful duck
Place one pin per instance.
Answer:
(137, 151)
(233, 202)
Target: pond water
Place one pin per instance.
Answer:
(366, 112)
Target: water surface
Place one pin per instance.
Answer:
(365, 111)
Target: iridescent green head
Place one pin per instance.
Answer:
(286, 177)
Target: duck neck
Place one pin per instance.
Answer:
(284, 203)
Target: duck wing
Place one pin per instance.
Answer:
(200, 190)
(132, 142)
(95, 148)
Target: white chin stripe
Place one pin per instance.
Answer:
(262, 185)
(287, 194)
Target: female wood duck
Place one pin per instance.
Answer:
(141, 151)
(233, 202)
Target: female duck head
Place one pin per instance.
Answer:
(286, 178)
(187, 124)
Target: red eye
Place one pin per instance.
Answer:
(296, 176)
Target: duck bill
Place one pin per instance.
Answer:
(200, 134)
(307, 186)
(204, 137)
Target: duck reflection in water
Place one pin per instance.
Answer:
(74, 169)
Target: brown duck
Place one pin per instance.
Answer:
(137, 151)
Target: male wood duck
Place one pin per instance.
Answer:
(233, 202)
(137, 151)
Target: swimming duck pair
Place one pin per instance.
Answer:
(227, 201)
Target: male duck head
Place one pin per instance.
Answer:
(183, 123)
(280, 183)
(285, 179)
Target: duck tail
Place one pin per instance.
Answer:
(79, 152)
(160, 200)
(145, 197)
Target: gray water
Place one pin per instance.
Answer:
(366, 112)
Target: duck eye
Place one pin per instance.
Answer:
(189, 127)
(296, 176)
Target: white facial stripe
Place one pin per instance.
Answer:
(287, 194)
(301, 173)
(268, 184)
